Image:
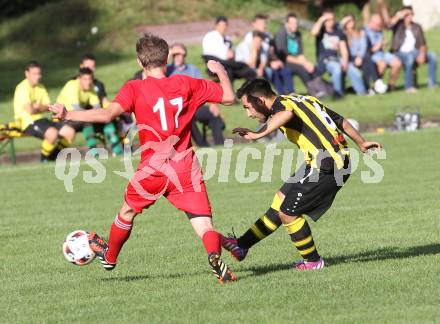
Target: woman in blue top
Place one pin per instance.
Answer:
(358, 52)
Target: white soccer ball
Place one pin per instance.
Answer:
(76, 248)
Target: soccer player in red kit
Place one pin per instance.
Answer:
(164, 108)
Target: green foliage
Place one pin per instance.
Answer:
(18, 7)
(380, 242)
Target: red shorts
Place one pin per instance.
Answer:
(183, 186)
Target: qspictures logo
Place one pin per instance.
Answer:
(222, 164)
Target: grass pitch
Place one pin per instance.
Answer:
(381, 242)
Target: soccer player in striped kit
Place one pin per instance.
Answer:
(317, 131)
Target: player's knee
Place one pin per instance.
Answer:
(201, 225)
(68, 133)
(286, 219)
(127, 213)
(51, 135)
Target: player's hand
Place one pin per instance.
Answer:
(245, 133)
(366, 146)
(215, 67)
(58, 110)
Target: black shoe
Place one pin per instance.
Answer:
(337, 96)
(99, 246)
(220, 269)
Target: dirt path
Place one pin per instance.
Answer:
(193, 32)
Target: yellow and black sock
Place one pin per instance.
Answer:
(263, 227)
(46, 150)
(62, 143)
(301, 235)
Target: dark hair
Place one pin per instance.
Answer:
(32, 64)
(408, 8)
(85, 71)
(88, 56)
(260, 16)
(221, 19)
(152, 51)
(256, 88)
(328, 10)
(291, 15)
(257, 33)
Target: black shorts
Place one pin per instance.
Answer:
(76, 125)
(39, 127)
(311, 192)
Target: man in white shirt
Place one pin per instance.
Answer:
(218, 46)
(259, 24)
(216, 43)
(250, 51)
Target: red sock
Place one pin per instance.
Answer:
(119, 234)
(212, 242)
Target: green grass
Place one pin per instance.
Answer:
(381, 242)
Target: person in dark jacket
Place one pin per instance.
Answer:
(410, 46)
(289, 49)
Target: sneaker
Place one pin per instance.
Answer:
(411, 90)
(220, 269)
(230, 244)
(99, 246)
(380, 86)
(309, 265)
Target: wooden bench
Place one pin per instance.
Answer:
(8, 133)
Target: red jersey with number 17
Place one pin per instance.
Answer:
(164, 108)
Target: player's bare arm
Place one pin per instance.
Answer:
(228, 92)
(363, 145)
(35, 108)
(275, 122)
(89, 116)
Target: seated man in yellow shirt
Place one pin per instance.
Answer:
(30, 101)
(79, 94)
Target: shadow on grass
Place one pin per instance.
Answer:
(152, 277)
(390, 253)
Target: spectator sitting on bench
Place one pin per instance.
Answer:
(333, 55)
(250, 51)
(218, 46)
(374, 28)
(79, 94)
(289, 48)
(207, 115)
(259, 24)
(360, 56)
(30, 101)
(409, 44)
(124, 122)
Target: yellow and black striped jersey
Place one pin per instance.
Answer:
(315, 129)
